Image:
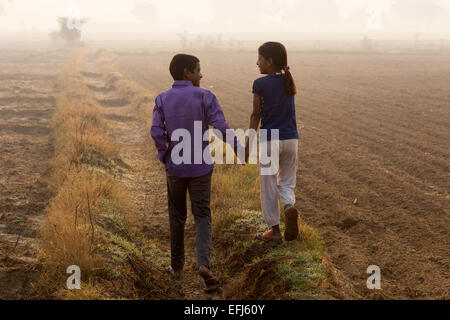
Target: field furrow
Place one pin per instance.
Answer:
(26, 105)
(373, 128)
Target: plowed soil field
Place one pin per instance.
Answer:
(28, 86)
(374, 158)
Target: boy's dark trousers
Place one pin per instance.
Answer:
(200, 194)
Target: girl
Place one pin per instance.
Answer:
(273, 105)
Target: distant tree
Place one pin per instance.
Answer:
(54, 36)
(69, 30)
(367, 44)
(231, 44)
(183, 39)
(198, 42)
(219, 40)
(416, 40)
(442, 45)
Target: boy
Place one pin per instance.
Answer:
(175, 109)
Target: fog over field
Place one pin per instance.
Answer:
(232, 16)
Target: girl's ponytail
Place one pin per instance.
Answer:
(277, 52)
(289, 84)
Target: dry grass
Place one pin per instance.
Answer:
(72, 235)
(80, 134)
(90, 209)
(127, 88)
(258, 270)
(234, 190)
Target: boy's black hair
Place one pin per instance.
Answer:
(180, 62)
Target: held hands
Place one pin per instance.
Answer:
(247, 149)
(245, 160)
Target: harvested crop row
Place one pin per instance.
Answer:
(90, 220)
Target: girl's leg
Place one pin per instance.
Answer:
(287, 176)
(269, 200)
(269, 196)
(286, 186)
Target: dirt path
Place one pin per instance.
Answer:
(143, 176)
(27, 100)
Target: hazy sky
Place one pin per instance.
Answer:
(308, 16)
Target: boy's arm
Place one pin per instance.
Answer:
(158, 132)
(216, 119)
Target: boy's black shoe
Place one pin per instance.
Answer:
(211, 282)
(175, 274)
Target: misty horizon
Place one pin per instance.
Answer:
(376, 17)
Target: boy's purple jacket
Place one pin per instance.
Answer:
(178, 108)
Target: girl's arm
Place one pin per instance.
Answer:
(255, 118)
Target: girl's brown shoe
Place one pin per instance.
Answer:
(290, 223)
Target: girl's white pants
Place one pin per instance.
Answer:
(283, 179)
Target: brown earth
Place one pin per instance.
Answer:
(373, 127)
(27, 100)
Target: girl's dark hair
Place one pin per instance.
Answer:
(277, 52)
(181, 62)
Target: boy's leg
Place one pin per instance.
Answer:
(176, 191)
(200, 194)
(287, 176)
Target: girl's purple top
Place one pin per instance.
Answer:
(278, 110)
